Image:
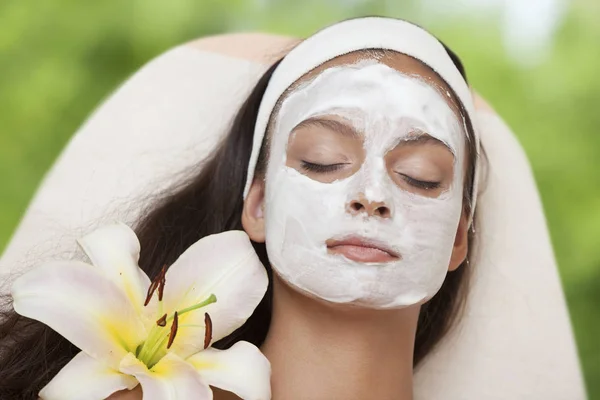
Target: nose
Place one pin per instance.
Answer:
(370, 208)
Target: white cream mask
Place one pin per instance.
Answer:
(302, 214)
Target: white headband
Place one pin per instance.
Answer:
(352, 35)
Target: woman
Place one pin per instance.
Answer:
(363, 192)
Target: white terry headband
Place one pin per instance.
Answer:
(360, 34)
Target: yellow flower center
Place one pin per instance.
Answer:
(160, 338)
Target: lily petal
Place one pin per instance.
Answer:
(86, 378)
(172, 378)
(226, 265)
(79, 302)
(241, 369)
(116, 250)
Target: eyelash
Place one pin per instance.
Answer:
(321, 168)
(425, 185)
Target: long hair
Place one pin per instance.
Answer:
(31, 353)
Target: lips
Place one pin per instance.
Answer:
(362, 250)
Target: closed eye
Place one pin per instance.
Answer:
(321, 168)
(425, 185)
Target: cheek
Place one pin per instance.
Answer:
(430, 223)
(290, 193)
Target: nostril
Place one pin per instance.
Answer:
(383, 212)
(356, 206)
(369, 208)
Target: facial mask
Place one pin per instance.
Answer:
(302, 214)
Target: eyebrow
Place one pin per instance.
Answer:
(420, 138)
(330, 124)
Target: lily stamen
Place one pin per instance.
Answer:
(173, 331)
(207, 330)
(157, 283)
(149, 350)
(161, 286)
(162, 321)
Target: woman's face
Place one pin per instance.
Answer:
(363, 190)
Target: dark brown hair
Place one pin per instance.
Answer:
(211, 202)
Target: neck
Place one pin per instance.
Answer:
(324, 351)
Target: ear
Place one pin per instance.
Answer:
(461, 243)
(253, 219)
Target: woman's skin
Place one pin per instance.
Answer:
(325, 351)
(319, 350)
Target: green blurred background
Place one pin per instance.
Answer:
(537, 62)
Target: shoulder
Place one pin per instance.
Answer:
(253, 46)
(480, 104)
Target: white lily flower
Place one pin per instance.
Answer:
(158, 334)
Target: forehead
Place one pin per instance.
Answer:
(398, 61)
